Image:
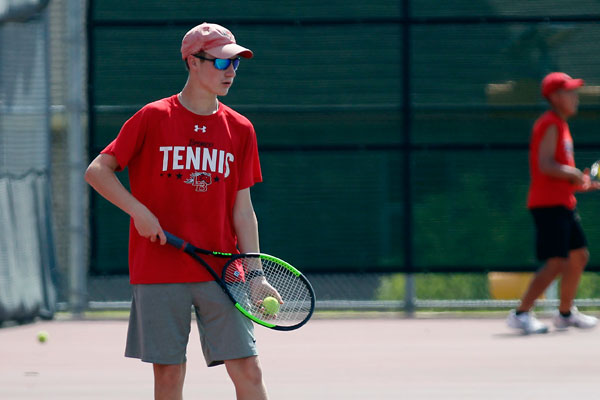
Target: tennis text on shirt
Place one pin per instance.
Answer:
(188, 157)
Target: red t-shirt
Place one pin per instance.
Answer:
(544, 190)
(187, 170)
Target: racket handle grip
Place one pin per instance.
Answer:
(174, 240)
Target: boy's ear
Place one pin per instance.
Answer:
(191, 61)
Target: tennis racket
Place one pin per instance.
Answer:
(243, 280)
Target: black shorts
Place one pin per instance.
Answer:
(558, 231)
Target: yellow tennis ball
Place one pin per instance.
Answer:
(42, 336)
(271, 305)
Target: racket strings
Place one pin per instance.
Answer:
(297, 296)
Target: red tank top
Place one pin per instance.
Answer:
(544, 190)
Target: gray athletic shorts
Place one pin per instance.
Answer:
(160, 321)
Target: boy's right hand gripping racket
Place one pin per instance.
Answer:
(248, 279)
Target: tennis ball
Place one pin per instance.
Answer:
(271, 305)
(595, 170)
(42, 336)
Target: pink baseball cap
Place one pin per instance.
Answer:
(214, 40)
(559, 80)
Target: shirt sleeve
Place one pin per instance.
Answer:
(250, 172)
(129, 141)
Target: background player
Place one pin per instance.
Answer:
(560, 241)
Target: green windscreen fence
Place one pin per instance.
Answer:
(393, 135)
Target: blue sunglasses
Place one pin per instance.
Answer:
(221, 63)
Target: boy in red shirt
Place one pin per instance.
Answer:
(560, 241)
(192, 161)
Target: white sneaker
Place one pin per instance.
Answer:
(526, 322)
(576, 319)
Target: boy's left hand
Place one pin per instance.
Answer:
(261, 288)
(588, 184)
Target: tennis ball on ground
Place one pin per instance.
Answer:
(271, 305)
(42, 336)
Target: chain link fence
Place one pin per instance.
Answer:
(27, 259)
(393, 138)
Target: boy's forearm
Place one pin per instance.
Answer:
(560, 171)
(245, 223)
(106, 183)
(101, 176)
(246, 229)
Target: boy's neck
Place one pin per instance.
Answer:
(198, 103)
(560, 114)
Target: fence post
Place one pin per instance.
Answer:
(409, 299)
(76, 154)
(410, 295)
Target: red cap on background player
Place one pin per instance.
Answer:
(213, 39)
(559, 80)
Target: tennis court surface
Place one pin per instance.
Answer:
(437, 358)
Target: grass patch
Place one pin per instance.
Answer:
(463, 287)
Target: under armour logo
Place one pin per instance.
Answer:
(197, 128)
